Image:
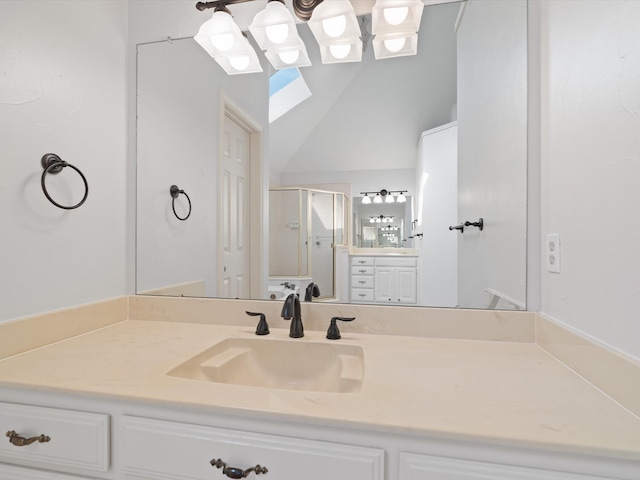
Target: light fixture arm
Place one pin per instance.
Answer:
(302, 8)
(218, 4)
(384, 192)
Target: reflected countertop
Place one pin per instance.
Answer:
(377, 251)
(500, 392)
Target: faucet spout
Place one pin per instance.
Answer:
(312, 291)
(291, 311)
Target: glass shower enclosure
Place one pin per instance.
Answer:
(305, 227)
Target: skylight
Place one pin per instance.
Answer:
(287, 89)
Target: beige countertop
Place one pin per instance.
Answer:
(500, 392)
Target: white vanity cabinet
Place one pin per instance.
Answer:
(427, 467)
(384, 279)
(161, 449)
(141, 440)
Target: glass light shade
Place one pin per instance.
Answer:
(277, 33)
(366, 199)
(381, 44)
(219, 34)
(396, 16)
(274, 27)
(334, 20)
(389, 198)
(394, 45)
(342, 51)
(372, 220)
(377, 199)
(241, 59)
(334, 26)
(401, 198)
(290, 56)
(239, 62)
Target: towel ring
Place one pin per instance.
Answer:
(53, 164)
(175, 193)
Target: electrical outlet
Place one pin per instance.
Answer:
(553, 253)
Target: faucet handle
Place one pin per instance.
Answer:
(333, 333)
(263, 328)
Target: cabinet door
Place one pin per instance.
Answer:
(426, 467)
(385, 289)
(406, 285)
(160, 449)
(395, 285)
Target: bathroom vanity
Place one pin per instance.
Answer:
(384, 278)
(132, 400)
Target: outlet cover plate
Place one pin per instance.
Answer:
(553, 253)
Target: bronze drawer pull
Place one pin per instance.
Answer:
(233, 472)
(19, 441)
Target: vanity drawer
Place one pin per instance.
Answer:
(396, 262)
(359, 281)
(162, 449)
(361, 295)
(362, 261)
(360, 270)
(76, 439)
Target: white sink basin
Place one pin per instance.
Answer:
(290, 365)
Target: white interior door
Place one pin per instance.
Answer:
(234, 224)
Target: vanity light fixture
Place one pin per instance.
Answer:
(334, 24)
(384, 196)
(381, 219)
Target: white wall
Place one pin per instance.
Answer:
(62, 90)
(591, 166)
(179, 88)
(492, 150)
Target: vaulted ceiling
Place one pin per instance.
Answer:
(369, 115)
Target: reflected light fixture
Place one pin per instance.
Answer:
(382, 219)
(384, 196)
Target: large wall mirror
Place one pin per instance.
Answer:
(396, 181)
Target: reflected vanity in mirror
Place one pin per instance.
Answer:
(277, 206)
